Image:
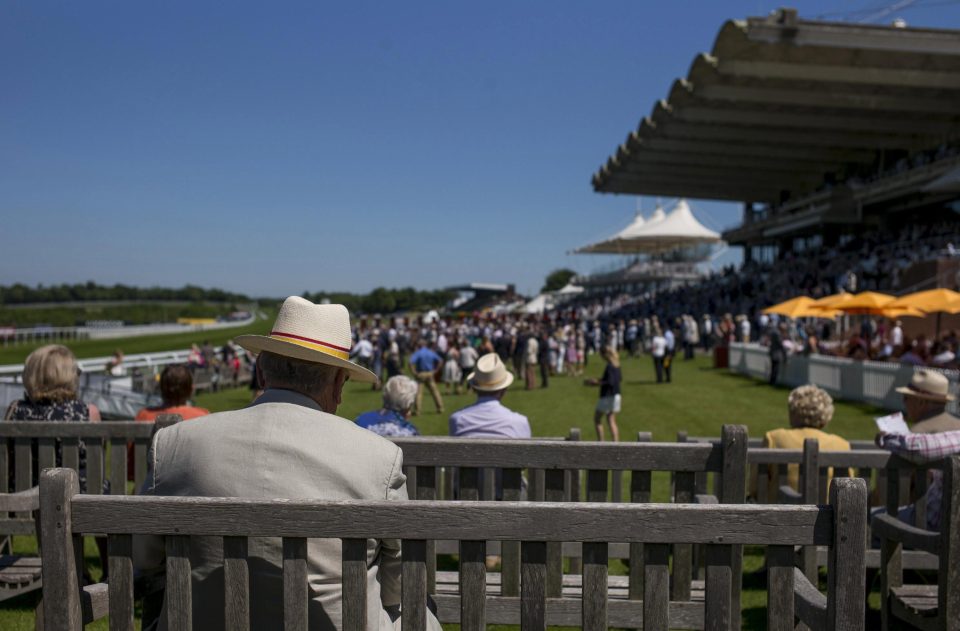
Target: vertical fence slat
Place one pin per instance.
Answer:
(94, 449)
(891, 552)
(46, 453)
(780, 601)
(120, 550)
(535, 490)
(656, 579)
(23, 464)
(573, 495)
(810, 492)
(70, 449)
(427, 490)
(414, 587)
(639, 494)
(468, 484)
(473, 585)
(118, 466)
(594, 599)
(510, 550)
(295, 594)
(684, 483)
(553, 492)
(354, 592)
(236, 583)
(178, 599)
(4, 464)
(718, 612)
(734, 440)
(141, 447)
(533, 599)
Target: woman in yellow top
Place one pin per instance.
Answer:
(811, 409)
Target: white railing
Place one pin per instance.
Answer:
(11, 335)
(866, 381)
(99, 364)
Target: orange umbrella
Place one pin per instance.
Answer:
(790, 308)
(899, 312)
(832, 302)
(931, 301)
(865, 303)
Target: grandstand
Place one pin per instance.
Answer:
(841, 140)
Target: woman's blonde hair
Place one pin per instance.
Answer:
(810, 406)
(50, 374)
(611, 356)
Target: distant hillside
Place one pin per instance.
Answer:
(20, 294)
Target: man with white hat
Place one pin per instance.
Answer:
(489, 417)
(287, 444)
(925, 399)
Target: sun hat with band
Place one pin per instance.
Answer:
(489, 374)
(929, 385)
(313, 333)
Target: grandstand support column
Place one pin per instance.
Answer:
(747, 253)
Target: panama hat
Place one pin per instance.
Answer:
(929, 385)
(313, 333)
(490, 375)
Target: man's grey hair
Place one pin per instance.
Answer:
(305, 377)
(400, 394)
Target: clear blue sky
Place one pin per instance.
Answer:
(273, 148)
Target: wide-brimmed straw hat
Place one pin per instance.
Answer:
(490, 374)
(929, 385)
(313, 333)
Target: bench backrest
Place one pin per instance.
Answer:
(65, 515)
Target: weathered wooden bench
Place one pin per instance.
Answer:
(19, 574)
(65, 514)
(928, 607)
(558, 465)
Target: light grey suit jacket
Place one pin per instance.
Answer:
(282, 446)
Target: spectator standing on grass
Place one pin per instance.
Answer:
(469, 356)
(531, 357)
(778, 353)
(424, 363)
(451, 370)
(670, 353)
(609, 404)
(393, 419)
(658, 350)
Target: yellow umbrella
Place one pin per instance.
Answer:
(899, 312)
(931, 301)
(790, 308)
(831, 302)
(865, 303)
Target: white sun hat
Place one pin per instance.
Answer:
(490, 375)
(313, 333)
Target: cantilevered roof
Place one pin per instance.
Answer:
(781, 102)
(661, 233)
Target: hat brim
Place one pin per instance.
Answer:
(260, 343)
(923, 395)
(471, 379)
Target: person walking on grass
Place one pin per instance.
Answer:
(609, 403)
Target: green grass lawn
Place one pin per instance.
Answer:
(700, 400)
(131, 345)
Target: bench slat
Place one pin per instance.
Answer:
(780, 607)
(510, 550)
(594, 586)
(414, 584)
(295, 595)
(118, 466)
(656, 582)
(236, 583)
(70, 448)
(554, 492)
(640, 485)
(533, 586)
(46, 454)
(354, 606)
(473, 585)
(684, 489)
(178, 597)
(719, 587)
(94, 448)
(427, 491)
(120, 550)
(141, 448)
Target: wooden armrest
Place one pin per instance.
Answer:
(810, 606)
(787, 495)
(705, 499)
(21, 501)
(889, 527)
(94, 602)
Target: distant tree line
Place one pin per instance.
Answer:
(19, 294)
(155, 312)
(383, 300)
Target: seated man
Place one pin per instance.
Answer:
(488, 417)
(287, 444)
(176, 388)
(399, 397)
(925, 399)
(810, 409)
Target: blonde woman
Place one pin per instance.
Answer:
(609, 403)
(51, 379)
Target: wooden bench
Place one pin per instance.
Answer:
(19, 574)
(65, 514)
(558, 465)
(928, 607)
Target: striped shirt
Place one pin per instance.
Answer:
(924, 448)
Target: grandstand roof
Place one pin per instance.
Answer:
(781, 102)
(661, 233)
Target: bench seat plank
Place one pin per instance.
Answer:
(917, 599)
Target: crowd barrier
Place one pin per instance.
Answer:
(866, 381)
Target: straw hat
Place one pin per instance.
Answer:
(929, 385)
(313, 333)
(490, 375)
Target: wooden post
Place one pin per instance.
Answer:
(948, 580)
(810, 493)
(734, 491)
(61, 587)
(846, 565)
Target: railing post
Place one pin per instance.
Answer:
(61, 585)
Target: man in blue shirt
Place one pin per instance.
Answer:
(488, 417)
(671, 351)
(424, 364)
(399, 397)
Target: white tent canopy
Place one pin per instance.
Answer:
(661, 233)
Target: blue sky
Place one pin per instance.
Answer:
(273, 148)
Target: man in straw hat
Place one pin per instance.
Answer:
(287, 444)
(925, 399)
(489, 417)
